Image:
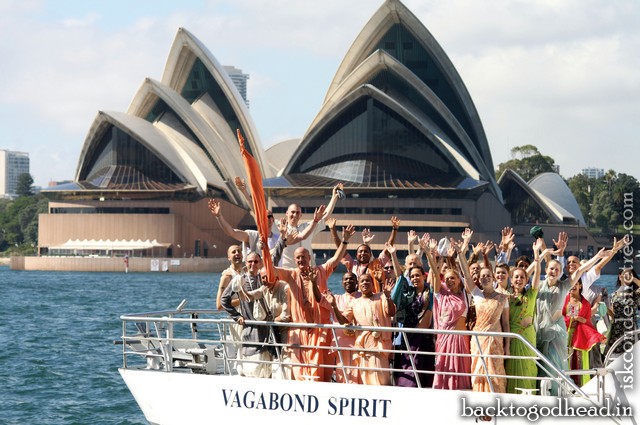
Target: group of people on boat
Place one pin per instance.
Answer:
(462, 289)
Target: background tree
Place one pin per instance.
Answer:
(25, 185)
(583, 189)
(19, 223)
(604, 200)
(528, 162)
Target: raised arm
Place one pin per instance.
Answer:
(281, 244)
(239, 235)
(386, 292)
(331, 224)
(488, 246)
(241, 184)
(308, 231)
(331, 299)
(347, 232)
(561, 246)
(395, 224)
(397, 267)
(506, 244)
(334, 199)
(466, 240)
(475, 252)
(367, 236)
(537, 268)
(412, 240)
(617, 246)
(464, 266)
(586, 266)
(422, 243)
(434, 275)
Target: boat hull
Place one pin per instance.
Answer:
(189, 398)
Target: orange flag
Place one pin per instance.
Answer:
(259, 204)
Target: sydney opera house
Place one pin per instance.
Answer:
(397, 126)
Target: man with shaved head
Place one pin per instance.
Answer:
(308, 305)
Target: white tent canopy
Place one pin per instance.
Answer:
(109, 245)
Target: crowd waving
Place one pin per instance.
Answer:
(447, 285)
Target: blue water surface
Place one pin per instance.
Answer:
(59, 362)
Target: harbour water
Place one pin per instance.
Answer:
(59, 362)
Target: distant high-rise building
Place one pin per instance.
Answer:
(593, 173)
(12, 164)
(239, 80)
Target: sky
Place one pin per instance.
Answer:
(562, 75)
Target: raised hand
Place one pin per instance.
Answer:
(537, 245)
(454, 246)
(425, 239)
(390, 248)
(309, 275)
(331, 223)
(466, 236)
(339, 186)
(318, 213)
(282, 226)
(241, 184)
(545, 252)
(488, 246)
(507, 238)
(367, 237)
(292, 237)
(478, 248)
(561, 243)
(619, 244)
(412, 237)
(328, 295)
(214, 207)
(347, 232)
(395, 222)
(388, 286)
(377, 272)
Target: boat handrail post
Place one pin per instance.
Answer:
(339, 354)
(124, 345)
(166, 343)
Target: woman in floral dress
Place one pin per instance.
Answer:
(625, 303)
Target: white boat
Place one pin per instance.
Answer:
(180, 367)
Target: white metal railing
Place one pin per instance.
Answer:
(199, 341)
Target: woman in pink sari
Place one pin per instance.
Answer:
(450, 308)
(370, 310)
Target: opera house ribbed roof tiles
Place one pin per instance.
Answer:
(180, 133)
(396, 116)
(395, 73)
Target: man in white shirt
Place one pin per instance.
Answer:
(307, 230)
(249, 238)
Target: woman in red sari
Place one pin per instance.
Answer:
(582, 334)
